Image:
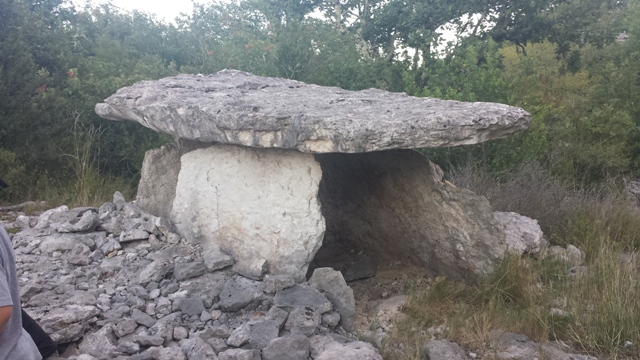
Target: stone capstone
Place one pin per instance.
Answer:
(235, 107)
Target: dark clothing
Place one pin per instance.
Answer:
(43, 341)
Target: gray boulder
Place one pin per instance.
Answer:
(522, 234)
(302, 296)
(337, 291)
(445, 350)
(294, 347)
(356, 350)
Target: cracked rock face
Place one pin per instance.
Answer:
(234, 107)
(253, 204)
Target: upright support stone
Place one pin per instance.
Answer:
(252, 203)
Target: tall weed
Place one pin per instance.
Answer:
(600, 303)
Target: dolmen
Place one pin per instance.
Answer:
(264, 169)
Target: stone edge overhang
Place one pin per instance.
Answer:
(234, 107)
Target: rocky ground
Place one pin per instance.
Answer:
(115, 283)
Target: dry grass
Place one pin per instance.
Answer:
(603, 305)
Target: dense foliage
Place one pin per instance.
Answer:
(557, 59)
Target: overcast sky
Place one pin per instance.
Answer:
(164, 9)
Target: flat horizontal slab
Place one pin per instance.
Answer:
(235, 107)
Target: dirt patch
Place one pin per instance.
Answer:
(388, 280)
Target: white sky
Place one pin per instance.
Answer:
(166, 10)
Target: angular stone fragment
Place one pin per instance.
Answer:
(99, 344)
(196, 348)
(142, 318)
(275, 283)
(155, 271)
(337, 291)
(302, 296)
(239, 354)
(66, 242)
(184, 271)
(79, 255)
(522, 234)
(45, 218)
(239, 292)
(88, 222)
(254, 269)
(128, 347)
(518, 347)
(445, 350)
(239, 108)
(278, 315)
(124, 327)
(133, 235)
(302, 320)
(240, 336)
(262, 333)
(65, 323)
(294, 347)
(191, 306)
(215, 259)
(148, 340)
(356, 350)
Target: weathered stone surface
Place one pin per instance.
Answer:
(66, 242)
(88, 222)
(196, 348)
(162, 166)
(214, 258)
(184, 271)
(571, 255)
(302, 296)
(80, 254)
(100, 343)
(155, 271)
(239, 108)
(262, 333)
(337, 291)
(510, 346)
(239, 292)
(395, 205)
(357, 350)
(239, 354)
(294, 347)
(142, 318)
(522, 234)
(65, 323)
(240, 336)
(445, 350)
(191, 306)
(225, 194)
(303, 321)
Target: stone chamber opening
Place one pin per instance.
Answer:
(373, 205)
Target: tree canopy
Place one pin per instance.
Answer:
(559, 59)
